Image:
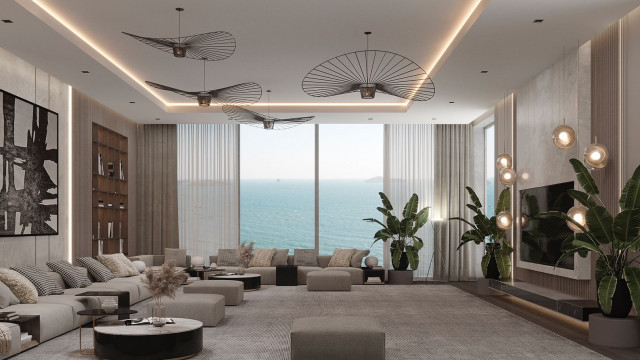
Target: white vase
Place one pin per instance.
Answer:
(371, 261)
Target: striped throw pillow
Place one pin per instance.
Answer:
(43, 283)
(99, 272)
(72, 276)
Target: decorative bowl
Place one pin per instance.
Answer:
(109, 305)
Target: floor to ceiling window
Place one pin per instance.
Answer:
(490, 163)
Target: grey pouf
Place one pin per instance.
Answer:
(329, 281)
(207, 308)
(233, 291)
(337, 338)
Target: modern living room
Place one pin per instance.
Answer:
(319, 180)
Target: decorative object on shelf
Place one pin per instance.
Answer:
(371, 262)
(368, 72)
(504, 220)
(596, 155)
(121, 205)
(252, 118)
(579, 215)
(100, 203)
(100, 165)
(245, 255)
(109, 230)
(121, 172)
(496, 262)
(109, 305)
(197, 262)
(215, 46)
(121, 248)
(614, 239)
(111, 168)
(29, 195)
(109, 205)
(161, 283)
(100, 246)
(564, 136)
(507, 177)
(245, 93)
(402, 233)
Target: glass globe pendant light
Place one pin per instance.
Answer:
(524, 220)
(507, 177)
(578, 214)
(504, 220)
(564, 136)
(596, 155)
(504, 161)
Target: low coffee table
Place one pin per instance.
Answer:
(251, 282)
(181, 340)
(99, 313)
(202, 273)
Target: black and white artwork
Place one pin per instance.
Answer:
(29, 176)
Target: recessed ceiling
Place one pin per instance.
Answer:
(279, 41)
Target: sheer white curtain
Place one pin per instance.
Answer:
(208, 187)
(408, 169)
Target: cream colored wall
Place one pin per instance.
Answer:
(631, 132)
(24, 80)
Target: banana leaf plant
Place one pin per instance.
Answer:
(485, 230)
(402, 233)
(614, 239)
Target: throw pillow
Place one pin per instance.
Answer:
(262, 257)
(117, 268)
(127, 263)
(140, 265)
(356, 260)
(341, 257)
(98, 271)
(305, 257)
(72, 276)
(280, 257)
(7, 297)
(227, 257)
(43, 283)
(179, 255)
(20, 286)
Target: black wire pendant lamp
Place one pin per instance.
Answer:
(368, 72)
(214, 46)
(267, 122)
(244, 93)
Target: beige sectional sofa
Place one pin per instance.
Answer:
(268, 274)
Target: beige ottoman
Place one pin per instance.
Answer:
(329, 281)
(233, 291)
(337, 338)
(207, 308)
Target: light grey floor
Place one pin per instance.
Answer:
(420, 321)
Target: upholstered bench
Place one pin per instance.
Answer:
(233, 291)
(328, 281)
(207, 308)
(337, 338)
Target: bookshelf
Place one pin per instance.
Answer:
(109, 201)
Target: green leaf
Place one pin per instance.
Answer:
(473, 235)
(601, 267)
(585, 245)
(393, 224)
(504, 201)
(483, 224)
(635, 244)
(600, 223)
(561, 215)
(506, 247)
(475, 209)
(421, 219)
(504, 265)
(375, 221)
(412, 255)
(383, 234)
(395, 257)
(626, 226)
(406, 225)
(385, 201)
(411, 208)
(584, 177)
(474, 197)
(385, 212)
(630, 198)
(582, 197)
(417, 243)
(605, 292)
(565, 255)
(484, 264)
(632, 276)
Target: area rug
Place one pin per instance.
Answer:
(420, 322)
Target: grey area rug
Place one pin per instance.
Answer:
(420, 321)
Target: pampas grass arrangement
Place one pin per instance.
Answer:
(245, 255)
(164, 282)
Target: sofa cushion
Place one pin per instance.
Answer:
(267, 274)
(356, 260)
(19, 285)
(72, 276)
(76, 303)
(117, 267)
(341, 257)
(262, 257)
(305, 257)
(43, 283)
(140, 265)
(179, 255)
(132, 270)
(280, 257)
(227, 257)
(7, 297)
(356, 273)
(303, 271)
(99, 272)
(56, 277)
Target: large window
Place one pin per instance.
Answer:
(490, 163)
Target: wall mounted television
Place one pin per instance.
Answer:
(541, 238)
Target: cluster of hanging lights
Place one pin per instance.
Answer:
(507, 176)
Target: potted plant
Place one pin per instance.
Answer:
(402, 233)
(496, 262)
(613, 239)
(163, 282)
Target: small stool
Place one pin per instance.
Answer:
(337, 338)
(328, 281)
(207, 308)
(233, 291)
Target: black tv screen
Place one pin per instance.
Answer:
(541, 238)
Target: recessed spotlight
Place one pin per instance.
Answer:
(452, 102)
(538, 21)
(132, 102)
(7, 21)
(85, 71)
(157, 118)
(370, 119)
(484, 71)
(434, 118)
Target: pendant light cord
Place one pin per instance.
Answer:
(366, 60)
(269, 104)
(563, 87)
(578, 99)
(204, 74)
(179, 34)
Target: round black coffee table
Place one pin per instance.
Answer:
(251, 282)
(99, 313)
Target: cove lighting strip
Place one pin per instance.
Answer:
(70, 176)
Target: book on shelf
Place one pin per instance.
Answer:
(111, 168)
(25, 338)
(9, 318)
(100, 203)
(121, 171)
(100, 167)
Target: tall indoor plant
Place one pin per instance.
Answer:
(496, 262)
(402, 233)
(614, 239)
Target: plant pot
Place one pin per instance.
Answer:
(492, 269)
(403, 263)
(621, 302)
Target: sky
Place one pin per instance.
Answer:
(352, 151)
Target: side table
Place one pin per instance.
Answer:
(401, 277)
(367, 273)
(31, 325)
(124, 301)
(286, 275)
(98, 313)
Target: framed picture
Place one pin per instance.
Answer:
(29, 174)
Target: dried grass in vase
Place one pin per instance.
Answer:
(164, 282)
(245, 255)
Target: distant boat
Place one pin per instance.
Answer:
(277, 180)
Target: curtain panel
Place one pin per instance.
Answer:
(157, 225)
(408, 169)
(453, 168)
(208, 187)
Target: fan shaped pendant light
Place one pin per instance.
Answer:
(368, 72)
(564, 136)
(214, 46)
(267, 122)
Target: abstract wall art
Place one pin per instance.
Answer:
(29, 174)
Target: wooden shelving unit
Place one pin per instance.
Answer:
(110, 188)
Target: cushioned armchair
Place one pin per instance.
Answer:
(182, 259)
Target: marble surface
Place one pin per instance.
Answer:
(119, 329)
(243, 276)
